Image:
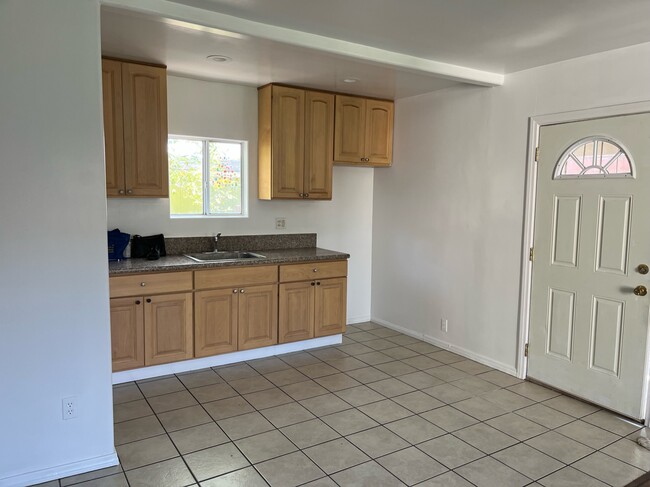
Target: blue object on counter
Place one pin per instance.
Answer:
(117, 242)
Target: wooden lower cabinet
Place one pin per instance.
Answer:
(258, 316)
(127, 333)
(168, 328)
(296, 315)
(311, 309)
(330, 307)
(215, 321)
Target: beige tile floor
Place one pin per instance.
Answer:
(381, 409)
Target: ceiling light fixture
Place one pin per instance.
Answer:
(350, 80)
(219, 58)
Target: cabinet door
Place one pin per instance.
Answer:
(331, 298)
(379, 132)
(319, 153)
(288, 141)
(350, 129)
(113, 128)
(168, 328)
(215, 322)
(258, 316)
(144, 89)
(296, 311)
(127, 333)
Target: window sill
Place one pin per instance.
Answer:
(205, 217)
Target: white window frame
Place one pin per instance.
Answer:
(205, 141)
(562, 161)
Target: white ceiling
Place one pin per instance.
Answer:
(502, 36)
(396, 48)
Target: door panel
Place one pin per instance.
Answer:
(331, 298)
(127, 333)
(296, 311)
(319, 155)
(168, 328)
(613, 234)
(258, 316)
(566, 226)
(288, 141)
(215, 322)
(588, 330)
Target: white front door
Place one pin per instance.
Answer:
(588, 328)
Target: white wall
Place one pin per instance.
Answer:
(448, 217)
(54, 317)
(210, 109)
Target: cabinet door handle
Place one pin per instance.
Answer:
(313, 283)
(129, 191)
(121, 191)
(306, 195)
(302, 195)
(137, 302)
(318, 283)
(148, 300)
(235, 291)
(242, 291)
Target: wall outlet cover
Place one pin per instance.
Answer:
(280, 223)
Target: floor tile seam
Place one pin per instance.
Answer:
(564, 465)
(370, 460)
(600, 450)
(581, 471)
(496, 460)
(581, 442)
(274, 457)
(480, 421)
(255, 466)
(486, 453)
(483, 455)
(88, 480)
(573, 420)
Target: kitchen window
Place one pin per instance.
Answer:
(207, 177)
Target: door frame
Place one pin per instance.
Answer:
(530, 198)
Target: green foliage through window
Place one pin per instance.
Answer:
(205, 176)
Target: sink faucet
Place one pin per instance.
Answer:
(216, 242)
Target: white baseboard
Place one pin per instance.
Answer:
(60, 471)
(358, 319)
(223, 359)
(508, 369)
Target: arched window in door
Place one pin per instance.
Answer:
(594, 157)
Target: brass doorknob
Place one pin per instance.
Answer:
(640, 290)
(642, 269)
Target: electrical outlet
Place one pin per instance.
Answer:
(280, 223)
(444, 325)
(69, 407)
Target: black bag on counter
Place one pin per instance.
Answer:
(150, 247)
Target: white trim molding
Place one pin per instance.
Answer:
(508, 369)
(223, 359)
(60, 471)
(230, 26)
(534, 125)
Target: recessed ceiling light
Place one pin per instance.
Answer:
(219, 58)
(350, 80)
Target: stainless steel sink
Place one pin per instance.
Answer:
(224, 256)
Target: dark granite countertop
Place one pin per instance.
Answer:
(182, 263)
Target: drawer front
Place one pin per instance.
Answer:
(313, 270)
(235, 277)
(146, 284)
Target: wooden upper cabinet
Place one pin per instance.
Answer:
(295, 130)
(319, 149)
(363, 131)
(113, 126)
(135, 121)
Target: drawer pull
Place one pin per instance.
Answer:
(235, 291)
(315, 269)
(143, 284)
